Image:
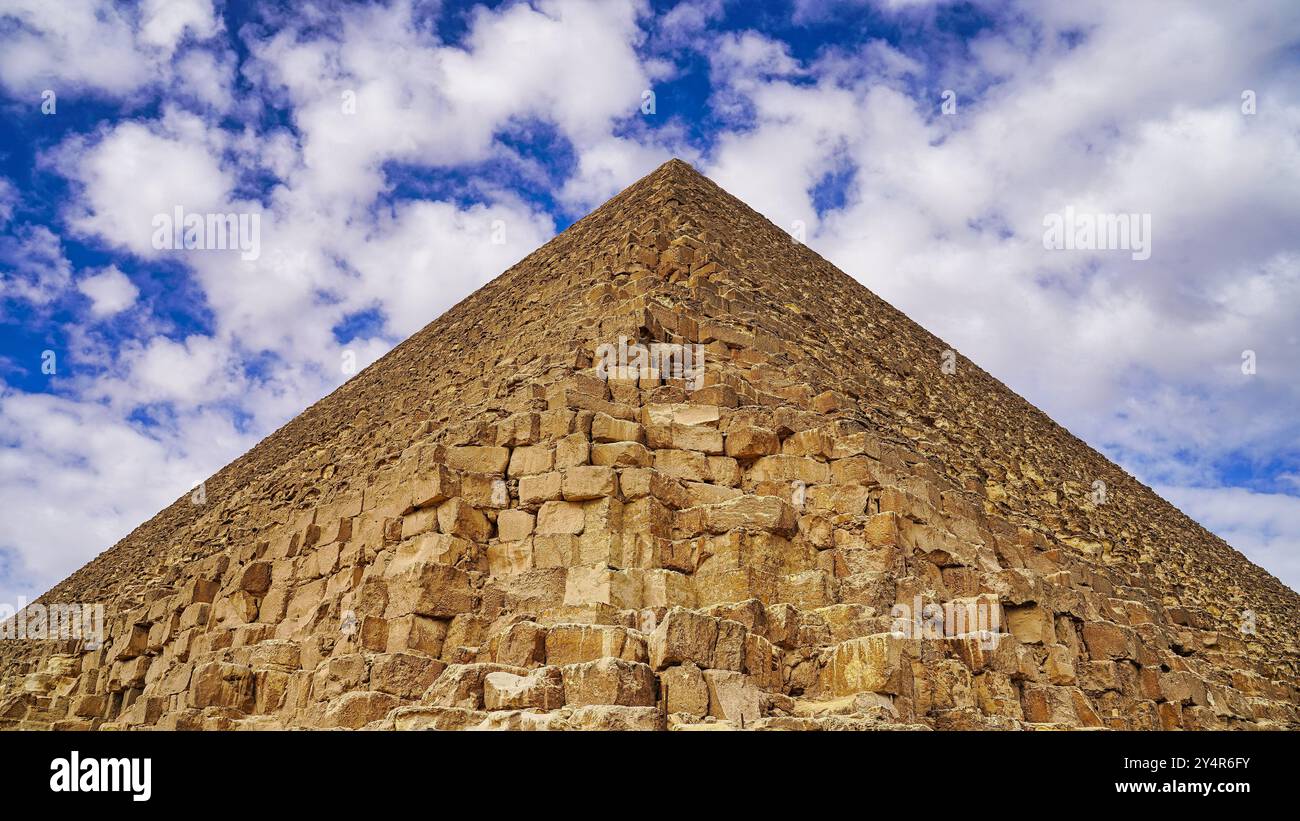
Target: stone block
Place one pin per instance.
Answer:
(682, 636)
(478, 459)
(609, 681)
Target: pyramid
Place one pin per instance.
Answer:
(786, 506)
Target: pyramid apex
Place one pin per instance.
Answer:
(676, 167)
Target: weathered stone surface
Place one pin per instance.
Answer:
(576, 643)
(608, 717)
(588, 482)
(462, 685)
(750, 512)
(733, 697)
(560, 518)
(515, 525)
(406, 675)
(878, 663)
(416, 585)
(358, 708)
(683, 636)
(478, 459)
(605, 428)
(685, 690)
(609, 681)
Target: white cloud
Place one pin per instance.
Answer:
(8, 200)
(165, 22)
(133, 172)
(750, 55)
(96, 45)
(607, 166)
(110, 291)
(33, 268)
(423, 258)
(570, 63)
(83, 477)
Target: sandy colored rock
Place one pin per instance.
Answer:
(609, 681)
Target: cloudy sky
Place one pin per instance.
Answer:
(399, 155)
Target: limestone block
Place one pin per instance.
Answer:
(733, 697)
(505, 558)
(1048, 704)
(478, 459)
(589, 482)
(697, 438)
(442, 548)
(751, 513)
(462, 685)
(417, 634)
(357, 709)
(531, 460)
(621, 455)
(220, 684)
(685, 690)
(600, 585)
(576, 643)
(605, 428)
(609, 681)
(682, 636)
(514, 525)
(878, 663)
(667, 588)
(782, 468)
(997, 695)
(256, 578)
(458, 518)
(619, 718)
(432, 488)
(1109, 641)
(406, 675)
(534, 490)
(682, 464)
(751, 442)
(426, 588)
(522, 644)
(560, 518)
(572, 451)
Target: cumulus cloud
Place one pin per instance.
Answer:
(35, 270)
(110, 291)
(165, 22)
(97, 46)
(132, 172)
(83, 477)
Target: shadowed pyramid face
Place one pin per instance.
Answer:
(672, 467)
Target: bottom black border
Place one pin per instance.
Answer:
(295, 770)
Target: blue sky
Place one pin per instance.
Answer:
(398, 155)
